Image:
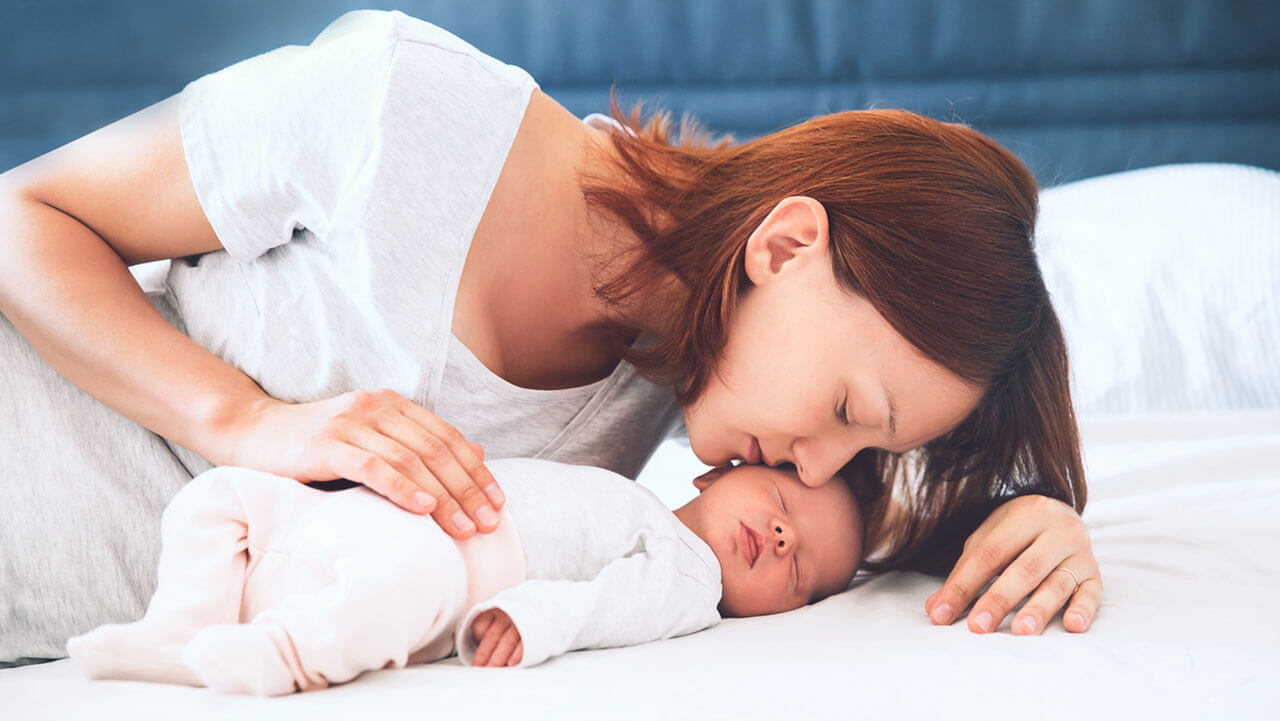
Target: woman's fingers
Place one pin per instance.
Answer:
(1033, 569)
(460, 506)
(1044, 604)
(469, 455)
(382, 440)
(986, 554)
(1084, 606)
(371, 469)
(440, 472)
(1035, 548)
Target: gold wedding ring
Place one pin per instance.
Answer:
(1073, 576)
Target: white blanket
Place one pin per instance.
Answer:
(1183, 510)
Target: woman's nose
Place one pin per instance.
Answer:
(783, 536)
(818, 463)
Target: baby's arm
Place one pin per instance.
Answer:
(661, 592)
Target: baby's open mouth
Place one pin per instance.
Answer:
(749, 544)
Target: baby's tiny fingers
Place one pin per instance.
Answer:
(505, 648)
(517, 655)
(481, 624)
(485, 649)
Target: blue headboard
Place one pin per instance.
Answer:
(1075, 87)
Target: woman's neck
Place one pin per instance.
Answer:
(531, 313)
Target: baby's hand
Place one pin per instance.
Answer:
(499, 640)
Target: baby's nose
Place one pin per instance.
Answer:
(783, 537)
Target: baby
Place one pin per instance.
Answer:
(267, 586)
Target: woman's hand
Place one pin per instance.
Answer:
(498, 639)
(1033, 546)
(379, 439)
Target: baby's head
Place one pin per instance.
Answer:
(780, 543)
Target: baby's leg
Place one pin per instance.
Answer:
(201, 578)
(394, 593)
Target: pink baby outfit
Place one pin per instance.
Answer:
(267, 586)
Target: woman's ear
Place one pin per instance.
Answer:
(704, 481)
(796, 228)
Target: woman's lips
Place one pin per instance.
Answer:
(753, 451)
(748, 544)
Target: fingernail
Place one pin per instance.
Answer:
(1076, 618)
(487, 516)
(424, 501)
(942, 613)
(985, 621)
(495, 494)
(462, 523)
(1027, 624)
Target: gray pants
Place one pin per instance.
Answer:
(82, 489)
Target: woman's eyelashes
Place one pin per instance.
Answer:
(842, 410)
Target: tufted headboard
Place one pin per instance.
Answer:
(1075, 87)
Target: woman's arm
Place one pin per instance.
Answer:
(72, 221)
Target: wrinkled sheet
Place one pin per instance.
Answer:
(1185, 516)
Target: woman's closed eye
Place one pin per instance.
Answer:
(842, 411)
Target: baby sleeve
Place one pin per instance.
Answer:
(662, 592)
(273, 143)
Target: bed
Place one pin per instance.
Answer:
(1184, 498)
(1182, 512)
(1159, 239)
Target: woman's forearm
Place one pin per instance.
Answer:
(72, 296)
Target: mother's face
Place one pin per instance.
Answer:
(812, 374)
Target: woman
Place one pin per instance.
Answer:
(428, 260)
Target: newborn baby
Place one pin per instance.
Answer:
(267, 586)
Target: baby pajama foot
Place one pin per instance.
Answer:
(132, 651)
(238, 658)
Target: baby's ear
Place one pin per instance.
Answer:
(705, 480)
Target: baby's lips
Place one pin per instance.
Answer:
(749, 543)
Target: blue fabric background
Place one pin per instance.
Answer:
(1075, 87)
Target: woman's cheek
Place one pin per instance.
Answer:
(707, 431)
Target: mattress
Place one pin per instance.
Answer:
(1165, 279)
(1182, 511)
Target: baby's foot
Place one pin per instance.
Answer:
(139, 651)
(238, 658)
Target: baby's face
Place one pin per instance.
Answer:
(781, 544)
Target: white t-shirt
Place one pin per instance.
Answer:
(345, 180)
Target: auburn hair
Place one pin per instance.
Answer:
(931, 222)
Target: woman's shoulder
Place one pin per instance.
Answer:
(395, 28)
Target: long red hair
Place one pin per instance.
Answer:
(932, 223)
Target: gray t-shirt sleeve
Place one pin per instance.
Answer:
(667, 590)
(274, 142)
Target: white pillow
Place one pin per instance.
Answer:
(1165, 280)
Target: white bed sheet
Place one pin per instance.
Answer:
(1183, 512)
